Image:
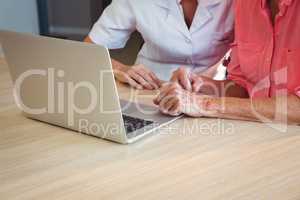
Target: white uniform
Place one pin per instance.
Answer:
(169, 43)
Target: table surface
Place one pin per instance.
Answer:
(199, 159)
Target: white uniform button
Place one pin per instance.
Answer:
(189, 41)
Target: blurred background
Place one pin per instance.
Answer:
(66, 19)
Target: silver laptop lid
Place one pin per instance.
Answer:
(65, 83)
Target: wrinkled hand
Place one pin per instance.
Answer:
(139, 77)
(194, 82)
(174, 100)
(182, 76)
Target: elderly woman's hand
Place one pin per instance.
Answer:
(194, 82)
(174, 100)
(182, 77)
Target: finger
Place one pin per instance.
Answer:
(197, 85)
(139, 79)
(152, 76)
(163, 104)
(175, 109)
(197, 82)
(160, 97)
(133, 83)
(164, 92)
(174, 77)
(125, 78)
(146, 75)
(165, 85)
(184, 81)
(170, 103)
(121, 76)
(156, 79)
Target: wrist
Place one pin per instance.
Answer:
(119, 67)
(224, 107)
(212, 106)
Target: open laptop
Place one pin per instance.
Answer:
(71, 84)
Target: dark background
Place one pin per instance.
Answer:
(72, 19)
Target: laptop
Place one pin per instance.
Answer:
(71, 84)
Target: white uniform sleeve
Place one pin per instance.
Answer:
(114, 27)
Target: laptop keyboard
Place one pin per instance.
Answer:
(132, 124)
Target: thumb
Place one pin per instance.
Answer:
(197, 84)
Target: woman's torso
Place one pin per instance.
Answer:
(169, 43)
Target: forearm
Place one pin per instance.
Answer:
(281, 109)
(118, 66)
(225, 88)
(229, 88)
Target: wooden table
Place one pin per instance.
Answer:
(246, 161)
